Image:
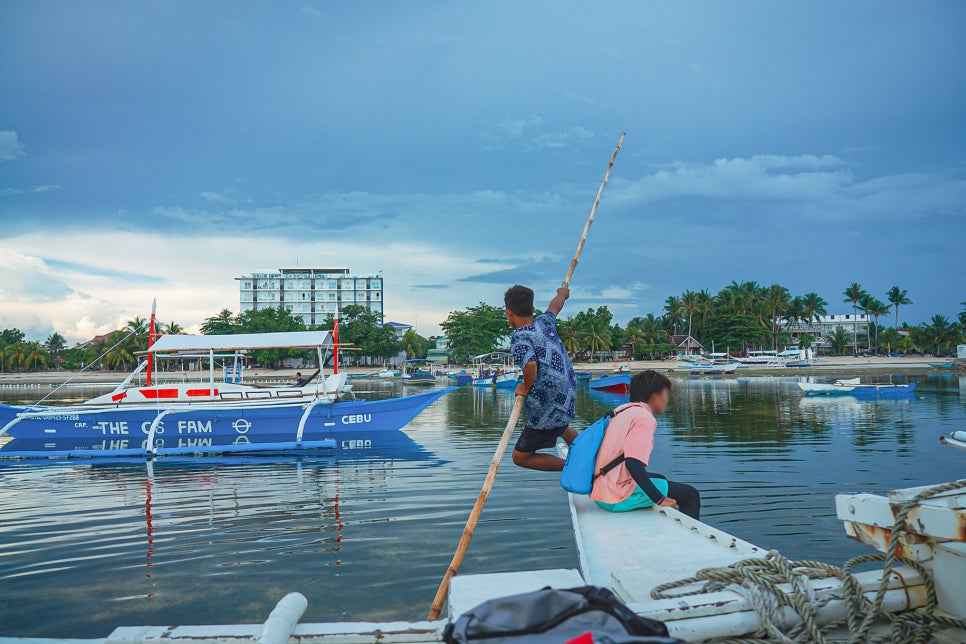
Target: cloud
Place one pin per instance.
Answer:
(515, 128)
(6, 192)
(39, 300)
(560, 138)
(216, 197)
(309, 12)
(10, 147)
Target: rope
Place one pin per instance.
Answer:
(758, 579)
(90, 364)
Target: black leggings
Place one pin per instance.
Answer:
(687, 496)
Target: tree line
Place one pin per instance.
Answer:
(741, 316)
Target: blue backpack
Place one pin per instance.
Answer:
(580, 468)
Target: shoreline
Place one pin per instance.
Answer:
(916, 364)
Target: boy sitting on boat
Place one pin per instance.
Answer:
(630, 434)
(549, 383)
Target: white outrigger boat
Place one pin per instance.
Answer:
(855, 386)
(651, 558)
(954, 439)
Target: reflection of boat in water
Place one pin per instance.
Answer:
(620, 383)
(205, 418)
(855, 387)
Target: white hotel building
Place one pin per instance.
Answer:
(311, 293)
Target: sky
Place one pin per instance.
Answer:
(160, 149)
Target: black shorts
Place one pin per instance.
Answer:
(532, 440)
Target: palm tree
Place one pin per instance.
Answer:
(891, 338)
(940, 332)
(651, 329)
(839, 340)
(854, 293)
(55, 344)
(118, 357)
(898, 297)
(569, 333)
(34, 355)
(596, 336)
(690, 304)
(874, 307)
(673, 312)
(16, 353)
(813, 307)
(633, 337)
(138, 328)
(778, 299)
(172, 328)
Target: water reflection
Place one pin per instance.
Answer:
(365, 532)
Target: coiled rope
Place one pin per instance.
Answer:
(758, 580)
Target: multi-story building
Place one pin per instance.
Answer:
(312, 293)
(823, 328)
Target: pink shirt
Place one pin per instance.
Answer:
(631, 433)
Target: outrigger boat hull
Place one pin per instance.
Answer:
(620, 384)
(853, 387)
(153, 430)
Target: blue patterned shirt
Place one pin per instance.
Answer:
(550, 404)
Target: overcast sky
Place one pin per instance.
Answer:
(160, 149)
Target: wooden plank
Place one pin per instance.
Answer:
(938, 522)
(468, 591)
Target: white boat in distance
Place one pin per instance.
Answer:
(855, 386)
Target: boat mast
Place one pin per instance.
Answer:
(335, 348)
(151, 338)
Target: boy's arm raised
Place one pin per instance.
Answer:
(556, 304)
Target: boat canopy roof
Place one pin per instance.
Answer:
(492, 356)
(242, 341)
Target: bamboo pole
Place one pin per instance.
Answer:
(464, 543)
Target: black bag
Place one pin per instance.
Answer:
(555, 616)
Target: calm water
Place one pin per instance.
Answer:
(85, 547)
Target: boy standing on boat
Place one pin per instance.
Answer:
(549, 383)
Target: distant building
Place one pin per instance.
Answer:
(824, 327)
(686, 345)
(441, 352)
(312, 293)
(97, 339)
(399, 328)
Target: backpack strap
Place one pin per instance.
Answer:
(617, 459)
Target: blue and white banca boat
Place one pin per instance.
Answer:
(145, 418)
(420, 372)
(855, 387)
(495, 370)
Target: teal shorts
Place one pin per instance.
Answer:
(637, 500)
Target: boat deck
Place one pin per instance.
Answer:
(633, 552)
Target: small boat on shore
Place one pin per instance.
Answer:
(209, 417)
(951, 366)
(620, 383)
(855, 387)
(583, 376)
